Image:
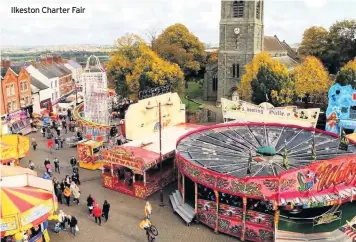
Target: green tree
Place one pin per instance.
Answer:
(272, 87)
(347, 74)
(178, 45)
(134, 67)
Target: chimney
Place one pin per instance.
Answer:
(60, 59)
(50, 60)
(55, 59)
(5, 63)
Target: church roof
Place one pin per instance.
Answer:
(287, 61)
(290, 51)
(273, 45)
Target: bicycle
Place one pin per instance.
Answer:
(151, 232)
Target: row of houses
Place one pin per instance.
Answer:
(28, 88)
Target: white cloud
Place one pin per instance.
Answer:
(315, 3)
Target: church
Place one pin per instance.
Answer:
(241, 38)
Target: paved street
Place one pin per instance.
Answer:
(125, 213)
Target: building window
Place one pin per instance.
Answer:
(258, 10)
(52, 96)
(23, 86)
(233, 70)
(14, 105)
(9, 106)
(237, 70)
(10, 89)
(51, 84)
(55, 82)
(238, 9)
(215, 81)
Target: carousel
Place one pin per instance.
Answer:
(256, 180)
(27, 203)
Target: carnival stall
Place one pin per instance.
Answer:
(19, 122)
(27, 202)
(135, 167)
(88, 154)
(13, 147)
(252, 180)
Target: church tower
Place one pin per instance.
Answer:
(241, 38)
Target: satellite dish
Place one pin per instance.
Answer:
(236, 31)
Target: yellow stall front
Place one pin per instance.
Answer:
(88, 154)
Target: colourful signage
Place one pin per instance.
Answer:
(14, 147)
(249, 112)
(125, 159)
(34, 213)
(8, 223)
(327, 218)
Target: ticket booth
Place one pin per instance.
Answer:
(88, 154)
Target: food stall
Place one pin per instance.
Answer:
(19, 122)
(27, 202)
(88, 153)
(135, 171)
(13, 148)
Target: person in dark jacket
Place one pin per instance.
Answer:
(75, 177)
(106, 209)
(72, 224)
(90, 203)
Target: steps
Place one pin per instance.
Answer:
(186, 212)
(335, 236)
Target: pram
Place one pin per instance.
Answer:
(57, 227)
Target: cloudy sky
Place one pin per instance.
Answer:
(106, 20)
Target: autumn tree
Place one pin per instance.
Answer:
(311, 78)
(212, 57)
(334, 47)
(314, 42)
(347, 74)
(264, 71)
(178, 45)
(134, 67)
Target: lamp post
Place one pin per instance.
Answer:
(188, 120)
(160, 154)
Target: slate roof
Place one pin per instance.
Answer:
(38, 84)
(272, 44)
(287, 60)
(74, 64)
(291, 53)
(63, 69)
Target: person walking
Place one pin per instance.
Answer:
(56, 141)
(75, 191)
(73, 224)
(56, 165)
(90, 202)
(148, 210)
(50, 144)
(75, 177)
(46, 163)
(43, 131)
(106, 209)
(62, 185)
(67, 181)
(49, 169)
(67, 194)
(34, 143)
(61, 140)
(97, 214)
(62, 220)
(73, 162)
(31, 165)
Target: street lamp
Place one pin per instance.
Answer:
(160, 154)
(188, 120)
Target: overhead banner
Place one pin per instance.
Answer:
(242, 111)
